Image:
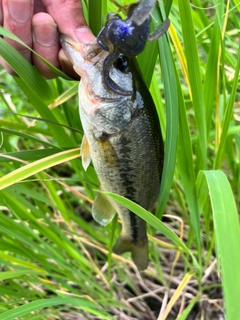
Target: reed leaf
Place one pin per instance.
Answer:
(171, 98)
(195, 80)
(228, 115)
(226, 224)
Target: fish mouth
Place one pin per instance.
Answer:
(86, 50)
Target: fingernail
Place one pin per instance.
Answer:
(45, 34)
(20, 11)
(84, 34)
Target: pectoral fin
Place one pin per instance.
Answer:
(86, 154)
(102, 210)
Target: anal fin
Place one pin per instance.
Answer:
(102, 210)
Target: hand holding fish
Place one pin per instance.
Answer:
(38, 24)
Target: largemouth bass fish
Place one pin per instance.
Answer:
(123, 139)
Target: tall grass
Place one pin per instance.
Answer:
(56, 261)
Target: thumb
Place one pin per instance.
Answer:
(68, 15)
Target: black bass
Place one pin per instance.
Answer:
(123, 139)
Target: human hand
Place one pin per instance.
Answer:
(38, 24)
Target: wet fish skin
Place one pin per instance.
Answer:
(125, 143)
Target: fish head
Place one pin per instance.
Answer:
(90, 63)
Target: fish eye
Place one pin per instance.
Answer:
(121, 63)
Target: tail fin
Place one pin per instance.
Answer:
(139, 251)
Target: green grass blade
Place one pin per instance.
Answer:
(211, 74)
(227, 235)
(185, 314)
(186, 167)
(27, 136)
(95, 16)
(150, 55)
(195, 80)
(171, 97)
(37, 166)
(28, 155)
(18, 273)
(55, 123)
(72, 91)
(22, 126)
(26, 71)
(150, 52)
(237, 4)
(228, 115)
(167, 5)
(45, 303)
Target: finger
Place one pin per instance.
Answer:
(46, 43)
(1, 14)
(69, 17)
(17, 16)
(38, 6)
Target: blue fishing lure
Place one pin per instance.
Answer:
(127, 38)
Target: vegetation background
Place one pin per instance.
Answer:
(56, 262)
